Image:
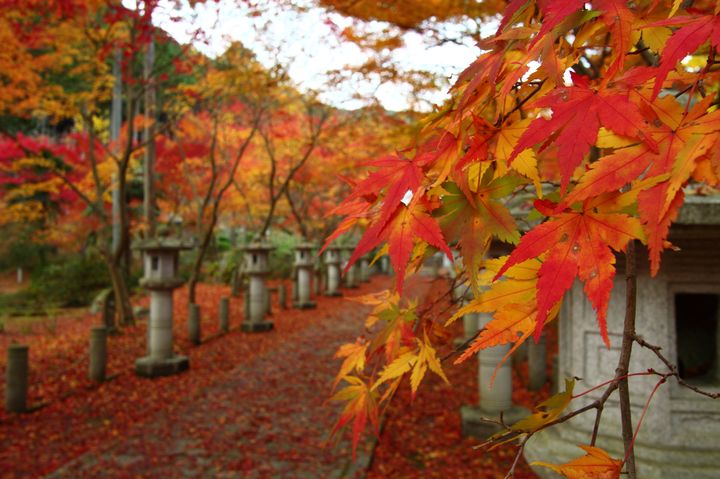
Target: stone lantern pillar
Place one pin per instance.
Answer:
(304, 263)
(364, 269)
(332, 260)
(471, 321)
(677, 310)
(351, 276)
(257, 268)
(161, 278)
(385, 265)
(495, 398)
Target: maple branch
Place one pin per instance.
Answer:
(673, 369)
(91, 204)
(518, 454)
(603, 55)
(296, 213)
(522, 102)
(625, 353)
(315, 133)
(91, 154)
(213, 174)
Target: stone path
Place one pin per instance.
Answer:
(268, 419)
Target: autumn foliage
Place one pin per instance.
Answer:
(579, 129)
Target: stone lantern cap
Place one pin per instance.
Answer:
(332, 254)
(700, 210)
(256, 258)
(260, 247)
(349, 247)
(161, 262)
(166, 244)
(303, 254)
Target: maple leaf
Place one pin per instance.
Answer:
(514, 306)
(682, 139)
(419, 362)
(524, 163)
(406, 224)
(481, 75)
(596, 464)
(619, 20)
(697, 30)
(361, 406)
(396, 174)
(475, 217)
(397, 327)
(354, 354)
(577, 245)
(555, 13)
(578, 112)
(542, 415)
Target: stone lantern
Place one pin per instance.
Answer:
(256, 268)
(161, 278)
(678, 310)
(495, 397)
(332, 260)
(304, 263)
(351, 276)
(364, 269)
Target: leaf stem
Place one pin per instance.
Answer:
(642, 415)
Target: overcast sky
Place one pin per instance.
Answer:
(309, 47)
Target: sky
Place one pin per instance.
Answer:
(307, 44)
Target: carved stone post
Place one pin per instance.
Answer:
(98, 353)
(224, 315)
(16, 378)
(194, 327)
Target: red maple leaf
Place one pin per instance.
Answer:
(578, 244)
(405, 224)
(682, 138)
(698, 29)
(399, 175)
(578, 112)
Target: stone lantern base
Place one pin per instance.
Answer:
(304, 305)
(471, 419)
(560, 443)
(150, 367)
(256, 327)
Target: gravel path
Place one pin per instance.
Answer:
(268, 418)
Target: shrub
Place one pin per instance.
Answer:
(72, 281)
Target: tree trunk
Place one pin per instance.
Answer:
(149, 204)
(202, 251)
(123, 307)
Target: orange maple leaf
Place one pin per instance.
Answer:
(596, 464)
